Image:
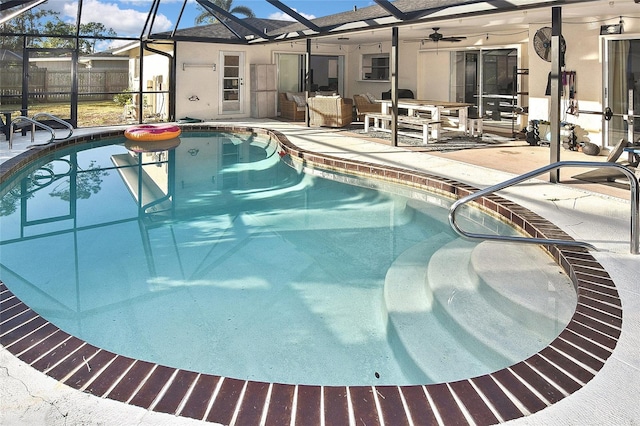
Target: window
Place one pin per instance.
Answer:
(375, 66)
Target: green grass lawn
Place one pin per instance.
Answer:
(90, 113)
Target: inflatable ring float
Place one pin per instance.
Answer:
(152, 132)
(152, 146)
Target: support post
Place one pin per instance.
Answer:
(307, 82)
(554, 113)
(394, 86)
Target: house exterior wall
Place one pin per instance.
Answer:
(103, 64)
(584, 56)
(407, 60)
(433, 73)
(423, 68)
(204, 83)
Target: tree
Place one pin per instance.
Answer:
(205, 17)
(94, 29)
(47, 22)
(56, 26)
(29, 22)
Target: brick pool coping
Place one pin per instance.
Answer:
(563, 367)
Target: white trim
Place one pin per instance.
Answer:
(241, 84)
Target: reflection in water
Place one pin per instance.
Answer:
(60, 178)
(141, 251)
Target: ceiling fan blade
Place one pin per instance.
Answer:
(452, 39)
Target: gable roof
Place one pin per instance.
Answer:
(225, 32)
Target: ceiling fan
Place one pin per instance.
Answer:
(436, 36)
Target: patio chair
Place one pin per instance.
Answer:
(609, 175)
(364, 105)
(290, 108)
(330, 111)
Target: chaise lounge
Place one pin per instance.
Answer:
(609, 175)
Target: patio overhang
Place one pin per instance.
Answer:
(402, 13)
(233, 30)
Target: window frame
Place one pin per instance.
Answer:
(370, 71)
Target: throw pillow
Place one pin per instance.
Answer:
(372, 99)
(299, 100)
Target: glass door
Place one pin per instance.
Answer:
(621, 90)
(498, 66)
(290, 72)
(465, 79)
(232, 83)
(50, 83)
(327, 74)
(486, 79)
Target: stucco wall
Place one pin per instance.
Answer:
(407, 64)
(433, 74)
(204, 83)
(582, 56)
(423, 68)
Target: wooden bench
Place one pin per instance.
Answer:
(382, 122)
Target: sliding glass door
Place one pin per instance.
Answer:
(486, 78)
(621, 93)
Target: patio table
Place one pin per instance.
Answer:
(435, 108)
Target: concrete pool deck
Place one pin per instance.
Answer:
(594, 213)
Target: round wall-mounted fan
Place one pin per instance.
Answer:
(436, 36)
(542, 44)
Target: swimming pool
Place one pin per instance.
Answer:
(229, 248)
(286, 261)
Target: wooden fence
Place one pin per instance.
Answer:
(55, 86)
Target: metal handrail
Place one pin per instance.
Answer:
(34, 123)
(57, 120)
(635, 203)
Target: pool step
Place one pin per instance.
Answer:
(421, 341)
(536, 275)
(438, 300)
(467, 303)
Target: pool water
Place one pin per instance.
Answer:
(217, 256)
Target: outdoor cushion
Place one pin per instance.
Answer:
(299, 100)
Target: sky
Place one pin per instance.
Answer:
(126, 17)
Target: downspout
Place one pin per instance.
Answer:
(172, 73)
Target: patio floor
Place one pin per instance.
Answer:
(595, 213)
